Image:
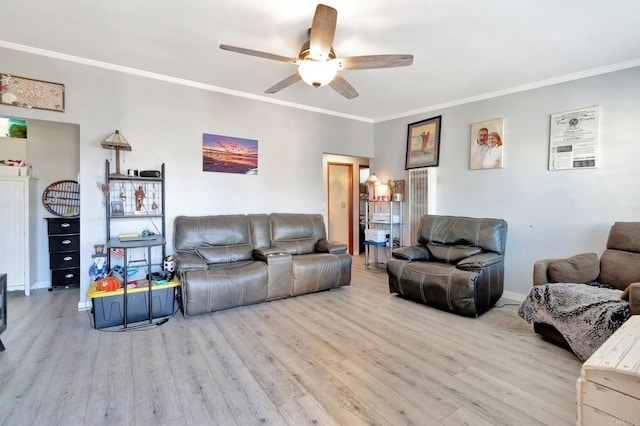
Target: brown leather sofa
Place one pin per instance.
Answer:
(228, 261)
(618, 267)
(457, 266)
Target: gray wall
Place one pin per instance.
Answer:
(164, 123)
(550, 213)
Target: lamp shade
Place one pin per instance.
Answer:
(372, 178)
(116, 140)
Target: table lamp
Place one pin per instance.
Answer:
(118, 142)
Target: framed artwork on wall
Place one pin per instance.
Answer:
(487, 145)
(423, 143)
(573, 139)
(30, 93)
(228, 154)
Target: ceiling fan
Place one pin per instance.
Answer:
(317, 62)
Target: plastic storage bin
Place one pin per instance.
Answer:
(108, 306)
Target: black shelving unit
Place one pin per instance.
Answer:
(122, 191)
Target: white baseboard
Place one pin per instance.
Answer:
(40, 284)
(517, 297)
(84, 305)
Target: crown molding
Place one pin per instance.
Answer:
(523, 88)
(173, 80)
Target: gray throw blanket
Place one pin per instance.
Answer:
(585, 314)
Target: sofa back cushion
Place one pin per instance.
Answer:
(297, 233)
(624, 236)
(488, 234)
(226, 254)
(619, 268)
(214, 237)
(260, 230)
(451, 253)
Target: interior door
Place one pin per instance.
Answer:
(340, 203)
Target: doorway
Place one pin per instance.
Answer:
(340, 203)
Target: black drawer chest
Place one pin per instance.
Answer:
(64, 251)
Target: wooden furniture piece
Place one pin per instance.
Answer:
(17, 231)
(608, 390)
(64, 251)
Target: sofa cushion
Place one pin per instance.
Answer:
(204, 231)
(297, 246)
(624, 236)
(293, 232)
(619, 268)
(488, 234)
(581, 268)
(451, 254)
(226, 254)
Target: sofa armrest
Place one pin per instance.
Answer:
(480, 261)
(189, 262)
(411, 253)
(634, 298)
(581, 268)
(540, 271)
(270, 254)
(326, 246)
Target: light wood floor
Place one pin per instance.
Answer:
(351, 356)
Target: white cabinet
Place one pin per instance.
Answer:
(17, 231)
(384, 221)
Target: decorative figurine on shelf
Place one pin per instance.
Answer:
(169, 266)
(139, 197)
(98, 270)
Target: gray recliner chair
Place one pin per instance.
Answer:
(457, 266)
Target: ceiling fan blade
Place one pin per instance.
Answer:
(284, 83)
(342, 86)
(323, 30)
(374, 61)
(257, 53)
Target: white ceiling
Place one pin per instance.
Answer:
(463, 49)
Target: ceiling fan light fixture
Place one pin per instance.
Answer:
(317, 73)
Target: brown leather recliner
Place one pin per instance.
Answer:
(457, 266)
(228, 261)
(618, 267)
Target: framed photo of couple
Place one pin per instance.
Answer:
(487, 145)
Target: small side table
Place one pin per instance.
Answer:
(375, 245)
